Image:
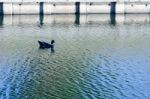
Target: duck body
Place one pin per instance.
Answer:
(44, 45)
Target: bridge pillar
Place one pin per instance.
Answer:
(41, 9)
(77, 7)
(1, 8)
(113, 8)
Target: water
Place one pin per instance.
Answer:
(96, 57)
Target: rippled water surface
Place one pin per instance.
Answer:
(95, 57)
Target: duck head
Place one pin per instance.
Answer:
(52, 42)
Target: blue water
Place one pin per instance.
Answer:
(95, 57)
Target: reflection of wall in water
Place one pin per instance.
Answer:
(1, 20)
(113, 19)
(136, 18)
(41, 18)
(77, 19)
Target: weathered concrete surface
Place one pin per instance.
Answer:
(70, 8)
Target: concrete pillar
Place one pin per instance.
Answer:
(41, 9)
(1, 8)
(77, 19)
(113, 7)
(77, 7)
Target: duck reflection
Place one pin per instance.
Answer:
(52, 50)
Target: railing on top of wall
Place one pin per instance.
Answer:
(15, 1)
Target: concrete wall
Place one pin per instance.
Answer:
(69, 8)
(98, 8)
(21, 8)
(57, 8)
(137, 8)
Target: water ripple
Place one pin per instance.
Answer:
(91, 61)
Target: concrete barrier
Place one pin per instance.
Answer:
(137, 8)
(72, 8)
(19, 8)
(62, 8)
(93, 8)
(120, 8)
